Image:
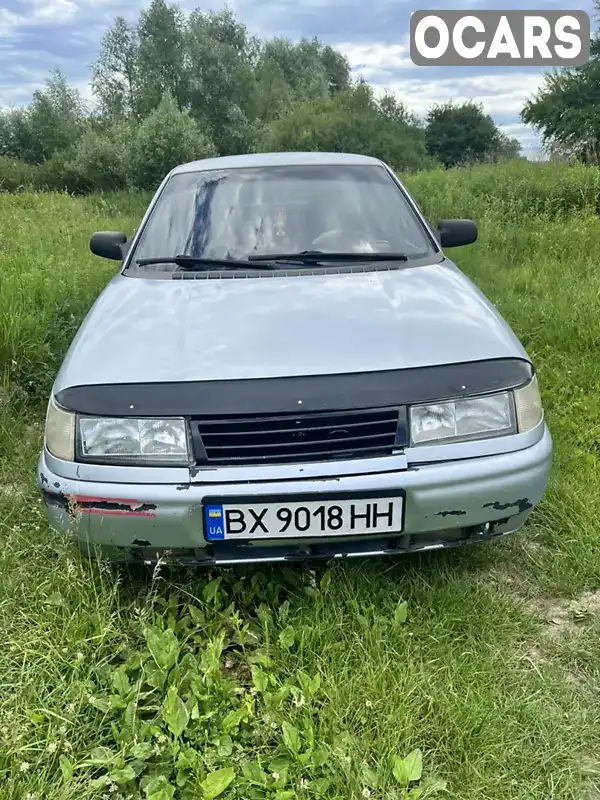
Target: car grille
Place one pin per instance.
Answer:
(291, 438)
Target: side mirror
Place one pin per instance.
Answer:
(456, 232)
(108, 244)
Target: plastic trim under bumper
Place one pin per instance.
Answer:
(229, 554)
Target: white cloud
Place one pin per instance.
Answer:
(53, 10)
(9, 21)
(43, 12)
(383, 66)
(515, 129)
(499, 94)
(18, 95)
(376, 60)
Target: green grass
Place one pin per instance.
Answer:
(494, 673)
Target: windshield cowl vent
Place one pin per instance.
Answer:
(294, 272)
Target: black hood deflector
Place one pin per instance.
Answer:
(297, 394)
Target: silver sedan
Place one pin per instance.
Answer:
(287, 365)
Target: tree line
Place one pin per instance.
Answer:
(176, 87)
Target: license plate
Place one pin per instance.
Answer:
(292, 517)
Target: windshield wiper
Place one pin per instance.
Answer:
(316, 256)
(193, 263)
(268, 260)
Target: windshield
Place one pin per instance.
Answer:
(236, 213)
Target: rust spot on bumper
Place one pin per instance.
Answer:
(457, 513)
(112, 507)
(115, 512)
(520, 505)
(56, 499)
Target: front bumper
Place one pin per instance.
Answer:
(447, 503)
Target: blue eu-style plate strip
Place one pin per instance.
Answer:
(214, 523)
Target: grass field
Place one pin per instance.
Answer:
(280, 683)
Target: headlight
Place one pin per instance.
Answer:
(134, 441)
(59, 435)
(460, 420)
(529, 406)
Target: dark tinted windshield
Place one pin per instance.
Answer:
(238, 212)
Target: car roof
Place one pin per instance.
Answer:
(274, 160)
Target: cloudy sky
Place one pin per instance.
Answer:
(36, 35)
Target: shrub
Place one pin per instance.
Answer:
(15, 174)
(99, 160)
(166, 138)
(57, 174)
(353, 122)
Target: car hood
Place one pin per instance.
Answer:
(144, 330)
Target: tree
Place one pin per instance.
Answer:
(6, 143)
(16, 137)
(53, 121)
(506, 148)
(166, 138)
(273, 96)
(460, 133)
(222, 85)
(161, 57)
(337, 69)
(396, 111)
(288, 74)
(353, 122)
(115, 75)
(566, 110)
(56, 116)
